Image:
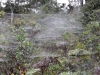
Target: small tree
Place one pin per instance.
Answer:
(18, 58)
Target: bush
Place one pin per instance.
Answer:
(18, 22)
(50, 9)
(18, 59)
(91, 11)
(24, 21)
(2, 14)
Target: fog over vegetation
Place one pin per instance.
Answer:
(49, 37)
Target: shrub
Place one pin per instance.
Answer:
(18, 58)
(2, 14)
(18, 22)
(24, 21)
(91, 11)
(47, 8)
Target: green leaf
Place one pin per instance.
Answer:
(66, 36)
(85, 33)
(79, 52)
(32, 71)
(80, 46)
(95, 24)
(18, 54)
(69, 73)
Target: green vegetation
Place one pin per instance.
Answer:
(18, 59)
(18, 22)
(79, 57)
(91, 35)
(2, 14)
(91, 11)
(24, 21)
(48, 6)
(85, 49)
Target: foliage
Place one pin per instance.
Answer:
(87, 49)
(68, 73)
(79, 52)
(66, 36)
(17, 8)
(24, 21)
(18, 58)
(91, 19)
(2, 14)
(54, 67)
(25, 8)
(90, 11)
(32, 71)
(47, 8)
(80, 46)
(75, 73)
(90, 37)
(80, 61)
(18, 22)
(2, 38)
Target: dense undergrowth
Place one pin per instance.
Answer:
(83, 57)
(79, 57)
